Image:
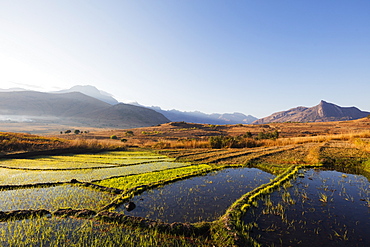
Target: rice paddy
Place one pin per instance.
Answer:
(320, 208)
(228, 197)
(53, 198)
(76, 232)
(203, 198)
(20, 176)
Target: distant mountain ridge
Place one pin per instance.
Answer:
(203, 118)
(172, 115)
(75, 108)
(92, 92)
(323, 112)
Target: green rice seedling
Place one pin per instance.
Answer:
(13, 177)
(324, 198)
(81, 161)
(74, 232)
(127, 182)
(53, 198)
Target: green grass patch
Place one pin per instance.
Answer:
(128, 182)
(76, 232)
(53, 198)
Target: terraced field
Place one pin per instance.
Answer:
(104, 198)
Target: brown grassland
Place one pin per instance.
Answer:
(278, 148)
(188, 135)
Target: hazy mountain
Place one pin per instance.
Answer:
(75, 107)
(323, 112)
(172, 115)
(14, 89)
(200, 117)
(93, 92)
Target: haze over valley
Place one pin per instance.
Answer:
(86, 106)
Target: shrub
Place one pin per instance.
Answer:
(268, 135)
(114, 137)
(247, 135)
(231, 142)
(129, 133)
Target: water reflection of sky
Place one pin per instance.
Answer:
(203, 198)
(330, 209)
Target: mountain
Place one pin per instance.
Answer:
(203, 118)
(323, 112)
(172, 115)
(75, 108)
(92, 92)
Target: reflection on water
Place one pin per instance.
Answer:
(203, 198)
(321, 208)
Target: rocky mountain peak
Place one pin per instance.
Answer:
(323, 112)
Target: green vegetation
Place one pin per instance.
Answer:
(47, 169)
(231, 142)
(151, 132)
(53, 198)
(76, 232)
(134, 172)
(83, 161)
(128, 182)
(268, 135)
(129, 133)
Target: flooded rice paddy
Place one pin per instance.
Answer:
(53, 198)
(319, 208)
(17, 177)
(203, 198)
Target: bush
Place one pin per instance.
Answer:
(114, 137)
(247, 135)
(231, 142)
(268, 135)
(123, 140)
(129, 133)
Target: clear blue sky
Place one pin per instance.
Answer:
(254, 57)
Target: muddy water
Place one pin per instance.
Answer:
(203, 198)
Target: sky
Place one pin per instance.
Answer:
(253, 57)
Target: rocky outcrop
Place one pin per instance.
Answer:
(323, 112)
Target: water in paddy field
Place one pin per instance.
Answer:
(321, 208)
(203, 198)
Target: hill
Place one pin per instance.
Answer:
(74, 108)
(179, 134)
(323, 112)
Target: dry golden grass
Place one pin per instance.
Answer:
(93, 144)
(16, 142)
(188, 135)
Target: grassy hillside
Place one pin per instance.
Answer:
(188, 135)
(11, 143)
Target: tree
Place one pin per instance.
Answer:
(67, 131)
(77, 132)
